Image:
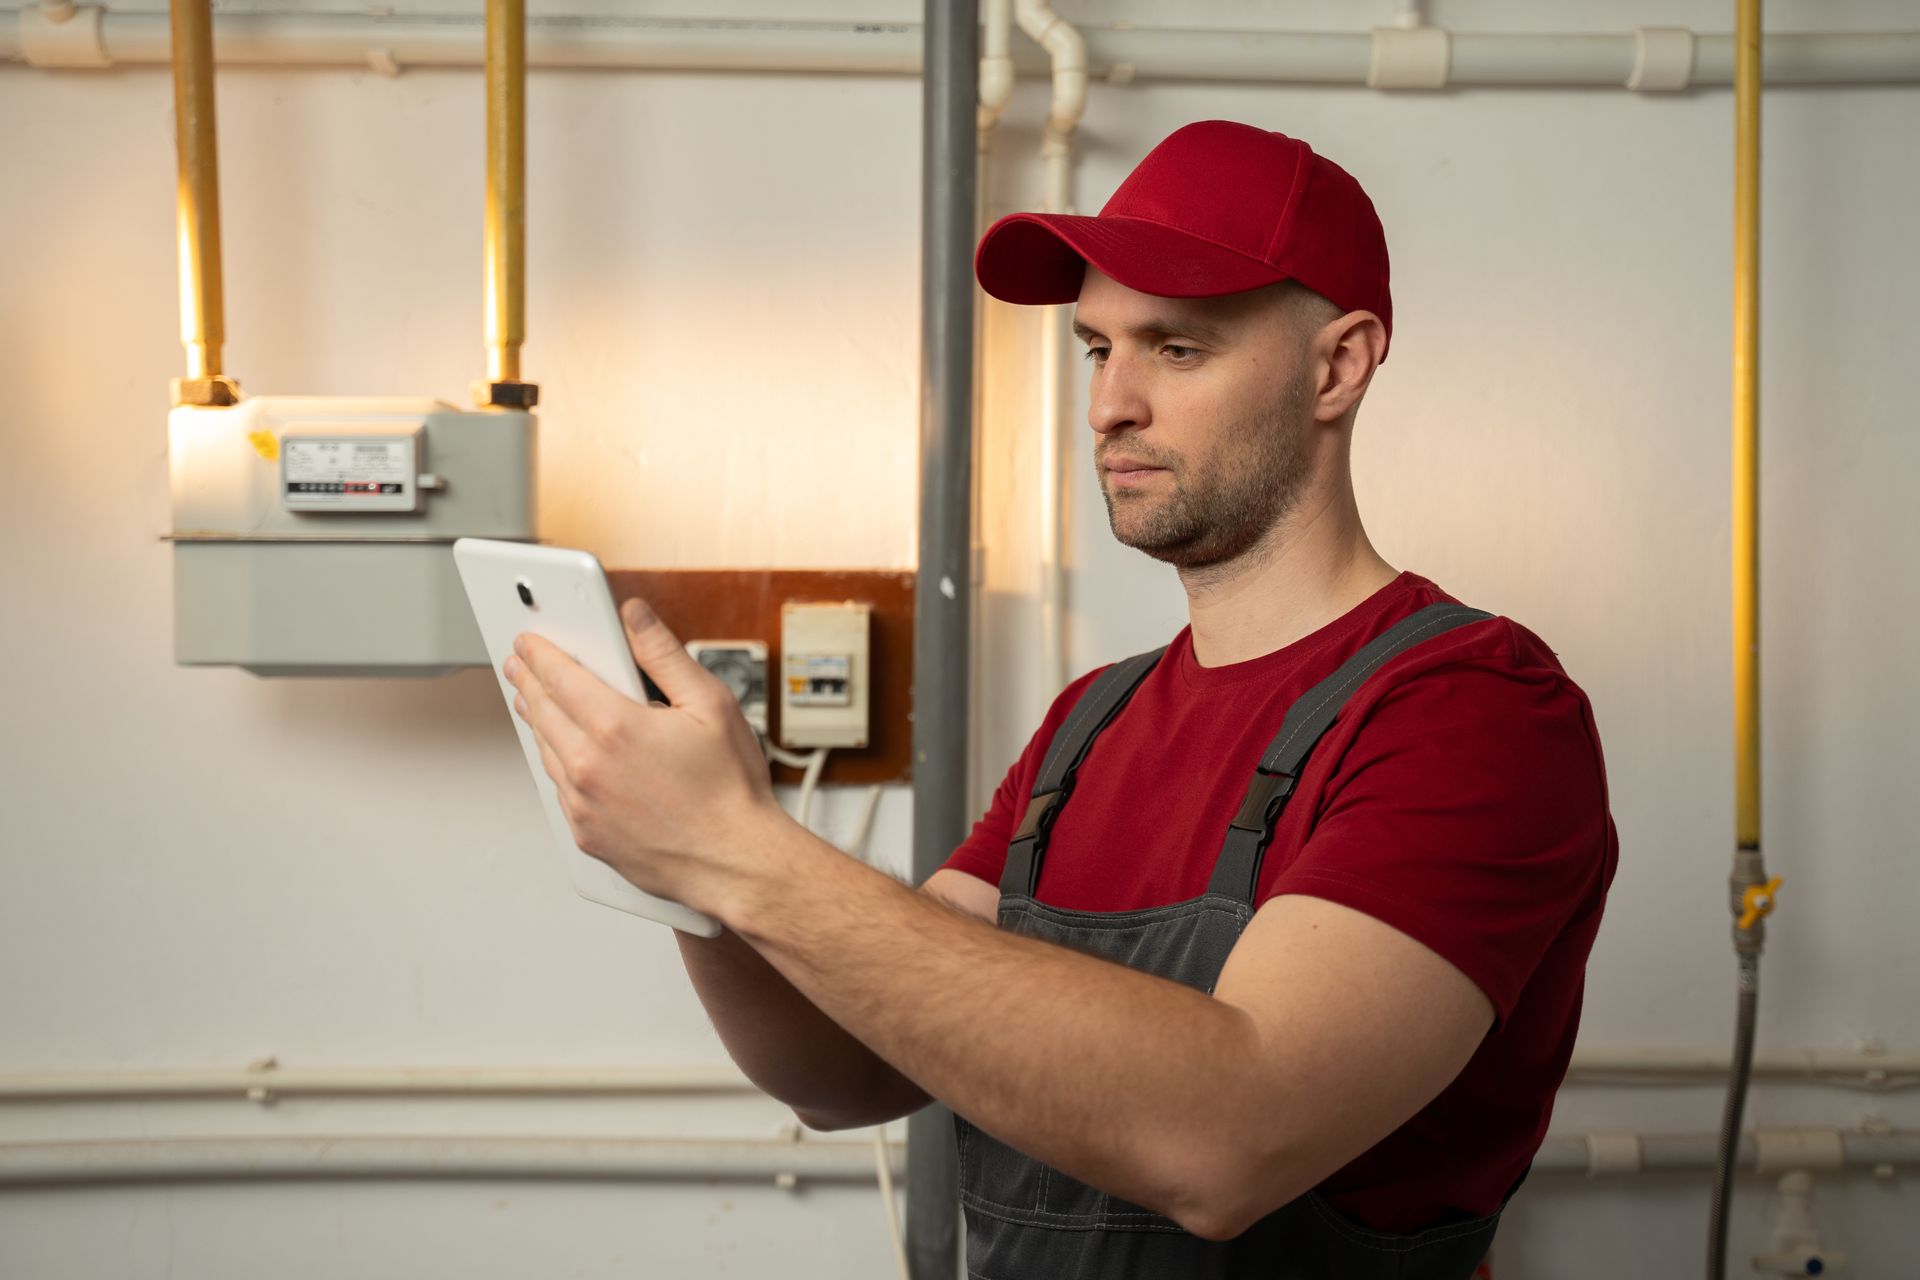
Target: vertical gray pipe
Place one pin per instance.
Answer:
(942, 627)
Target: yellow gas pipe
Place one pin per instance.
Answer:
(202, 314)
(506, 213)
(1751, 893)
(1746, 425)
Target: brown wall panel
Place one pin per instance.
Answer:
(744, 604)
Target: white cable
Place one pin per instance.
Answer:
(780, 755)
(809, 782)
(883, 1165)
(857, 846)
(810, 765)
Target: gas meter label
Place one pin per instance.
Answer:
(348, 473)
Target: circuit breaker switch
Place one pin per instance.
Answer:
(820, 679)
(828, 674)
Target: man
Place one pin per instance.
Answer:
(1287, 988)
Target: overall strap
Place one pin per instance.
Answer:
(1237, 873)
(1095, 711)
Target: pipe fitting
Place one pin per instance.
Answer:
(63, 35)
(217, 392)
(1417, 57)
(1068, 50)
(1662, 59)
(1611, 1153)
(506, 394)
(996, 66)
(996, 83)
(1784, 1150)
(1751, 900)
(1797, 1250)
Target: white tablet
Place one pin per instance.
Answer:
(561, 594)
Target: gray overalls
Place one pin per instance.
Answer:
(1026, 1221)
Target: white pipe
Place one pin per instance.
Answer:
(996, 68)
(1052, 483)
(1117, 54)
(1602, 1154)
(251, 1159)
(996, 90)
(1486, 60)
(883, 1169)
(360, 40)
(783, 1163)
(1859, 1068)
(266, 1082)
(1067, 53)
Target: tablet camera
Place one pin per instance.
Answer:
(526, 592)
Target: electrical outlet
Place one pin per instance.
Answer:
(741, 665)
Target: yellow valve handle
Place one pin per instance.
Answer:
(1757, 902)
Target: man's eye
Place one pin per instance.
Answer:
(1097, 354)
(1179, 352)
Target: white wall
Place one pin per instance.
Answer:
(722, 317)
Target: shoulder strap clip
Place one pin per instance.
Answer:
(1264, 796)
(1039, 815)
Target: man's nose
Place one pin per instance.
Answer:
(1116, 399)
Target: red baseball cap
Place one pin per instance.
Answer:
(1216, 208)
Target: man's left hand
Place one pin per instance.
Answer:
(676, 798)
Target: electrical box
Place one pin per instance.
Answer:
(826, 674)
(313, 535)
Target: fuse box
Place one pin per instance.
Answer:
(826, 675)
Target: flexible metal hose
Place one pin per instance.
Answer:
(1749, 1011)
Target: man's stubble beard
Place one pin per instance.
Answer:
(1220, 508)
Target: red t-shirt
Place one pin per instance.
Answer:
(1460, 798)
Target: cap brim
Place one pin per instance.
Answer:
(1039, 258)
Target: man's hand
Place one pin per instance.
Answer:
(676, 798)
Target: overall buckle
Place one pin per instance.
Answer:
(1039, 814)
(1264, 796)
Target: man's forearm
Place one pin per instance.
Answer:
(786, 1045)
(1124, 1080)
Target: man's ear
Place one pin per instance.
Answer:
(1346, 352)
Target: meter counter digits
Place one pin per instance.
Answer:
(354, 471)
